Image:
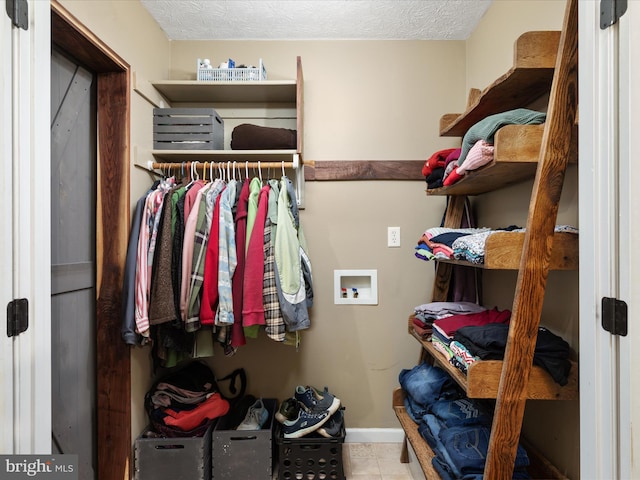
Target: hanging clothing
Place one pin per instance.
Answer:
(213, 263)
(275, 326)
(290, 262)
(237, 283)
(227, 260)
(252, 306)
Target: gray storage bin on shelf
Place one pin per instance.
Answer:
(187, 129)
(186, 458)
(244, 454)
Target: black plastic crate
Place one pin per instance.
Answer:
(244, 454)
(173, 458)
(311, 457)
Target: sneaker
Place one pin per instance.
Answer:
(288, 410)
(256, 417)
(304, 423)
(315, 401)
(333, 426)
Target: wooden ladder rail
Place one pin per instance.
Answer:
(536, 253)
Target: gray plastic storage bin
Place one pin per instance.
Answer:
(244, 454)
(173, 458)
(187, 129)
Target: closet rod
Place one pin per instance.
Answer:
(261, 165)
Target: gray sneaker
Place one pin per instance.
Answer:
(256, 417)
(304, 424)
(332, 427)
(315, 401)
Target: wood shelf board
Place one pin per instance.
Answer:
(540, 468)
(483, 377)
(420, 447)
(493, 176)
(224, 155)
(194, 91)
(351, 170)
(528, 79)
(516, 155)
(503, 251)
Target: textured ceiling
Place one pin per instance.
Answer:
(317, 19)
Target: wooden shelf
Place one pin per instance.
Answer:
(419, 445)
(224, 155)
(529, 79)
(483, 377)
(194, 91)
(516, 154)
(271, 94)
(540, 467)
(504, 249)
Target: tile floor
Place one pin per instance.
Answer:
(374, 461)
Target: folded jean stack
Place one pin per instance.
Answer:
(311, 411)
(455, 427)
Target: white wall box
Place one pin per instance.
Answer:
(347, 282)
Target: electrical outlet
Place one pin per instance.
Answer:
(393, 236)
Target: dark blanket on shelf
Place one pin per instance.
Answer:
(255, 137)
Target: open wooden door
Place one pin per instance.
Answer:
(73, 257)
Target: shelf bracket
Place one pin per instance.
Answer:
(614, 316)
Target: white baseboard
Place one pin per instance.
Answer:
(374, 435)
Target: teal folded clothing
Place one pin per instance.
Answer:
(486, 128)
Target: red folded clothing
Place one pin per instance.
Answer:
(450, 325)
(213, 407)
(438, 159)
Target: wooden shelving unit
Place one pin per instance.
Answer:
(267, 94)
(540, 467)
(545, 63)
(516, 152)
(483, 377)
(528, 79)
(503, 251)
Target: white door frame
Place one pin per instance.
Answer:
(6, 236)
(26, 248)
(629, 151)
(609, 234)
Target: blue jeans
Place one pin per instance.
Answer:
(446, 474)
(461, 411)
(425, 384)
(461, 451)
(467, 448)
(414, 409)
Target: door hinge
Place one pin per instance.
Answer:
(18, 11)
(614, 316)
(611, 11)
(17, 316)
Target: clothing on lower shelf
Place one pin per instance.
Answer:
(467, 244)
(488, 342)
(456, 428)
